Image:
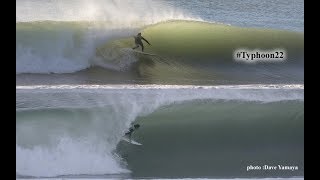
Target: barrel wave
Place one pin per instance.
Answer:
(186, 51)
(63, 132)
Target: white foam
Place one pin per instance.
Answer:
(146, 98)
(67, 158)
(67, 49)
(149, 97)
(164, 86)
(125, 13)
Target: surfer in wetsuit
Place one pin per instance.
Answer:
(129, 133)
(138, 40)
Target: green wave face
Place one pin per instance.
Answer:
(199, 51)
(217, 139)
(188, 52)
(201, 40)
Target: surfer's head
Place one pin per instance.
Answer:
(139, 34)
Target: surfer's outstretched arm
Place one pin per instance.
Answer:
(145, 40)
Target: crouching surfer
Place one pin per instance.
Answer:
(131, 130)
(138, 41)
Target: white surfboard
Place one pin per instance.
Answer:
(144, 53)
(131, 141)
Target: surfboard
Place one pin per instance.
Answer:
(144, 53)
(131, 142)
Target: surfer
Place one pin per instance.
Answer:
(138, 40)
(129, 133)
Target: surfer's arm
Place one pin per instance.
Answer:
(145, 40)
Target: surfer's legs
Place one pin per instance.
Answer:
(135, 47)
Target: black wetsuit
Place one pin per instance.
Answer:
(138, 40)
(129, 133)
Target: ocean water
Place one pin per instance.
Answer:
(203, 115)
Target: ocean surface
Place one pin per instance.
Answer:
(203, 115)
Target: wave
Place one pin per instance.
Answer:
(185, 49)
(218, 139)
(81, 96)
(203, 40)
(201, 50)
(53, 122)
(61, 37)
(60, 47)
